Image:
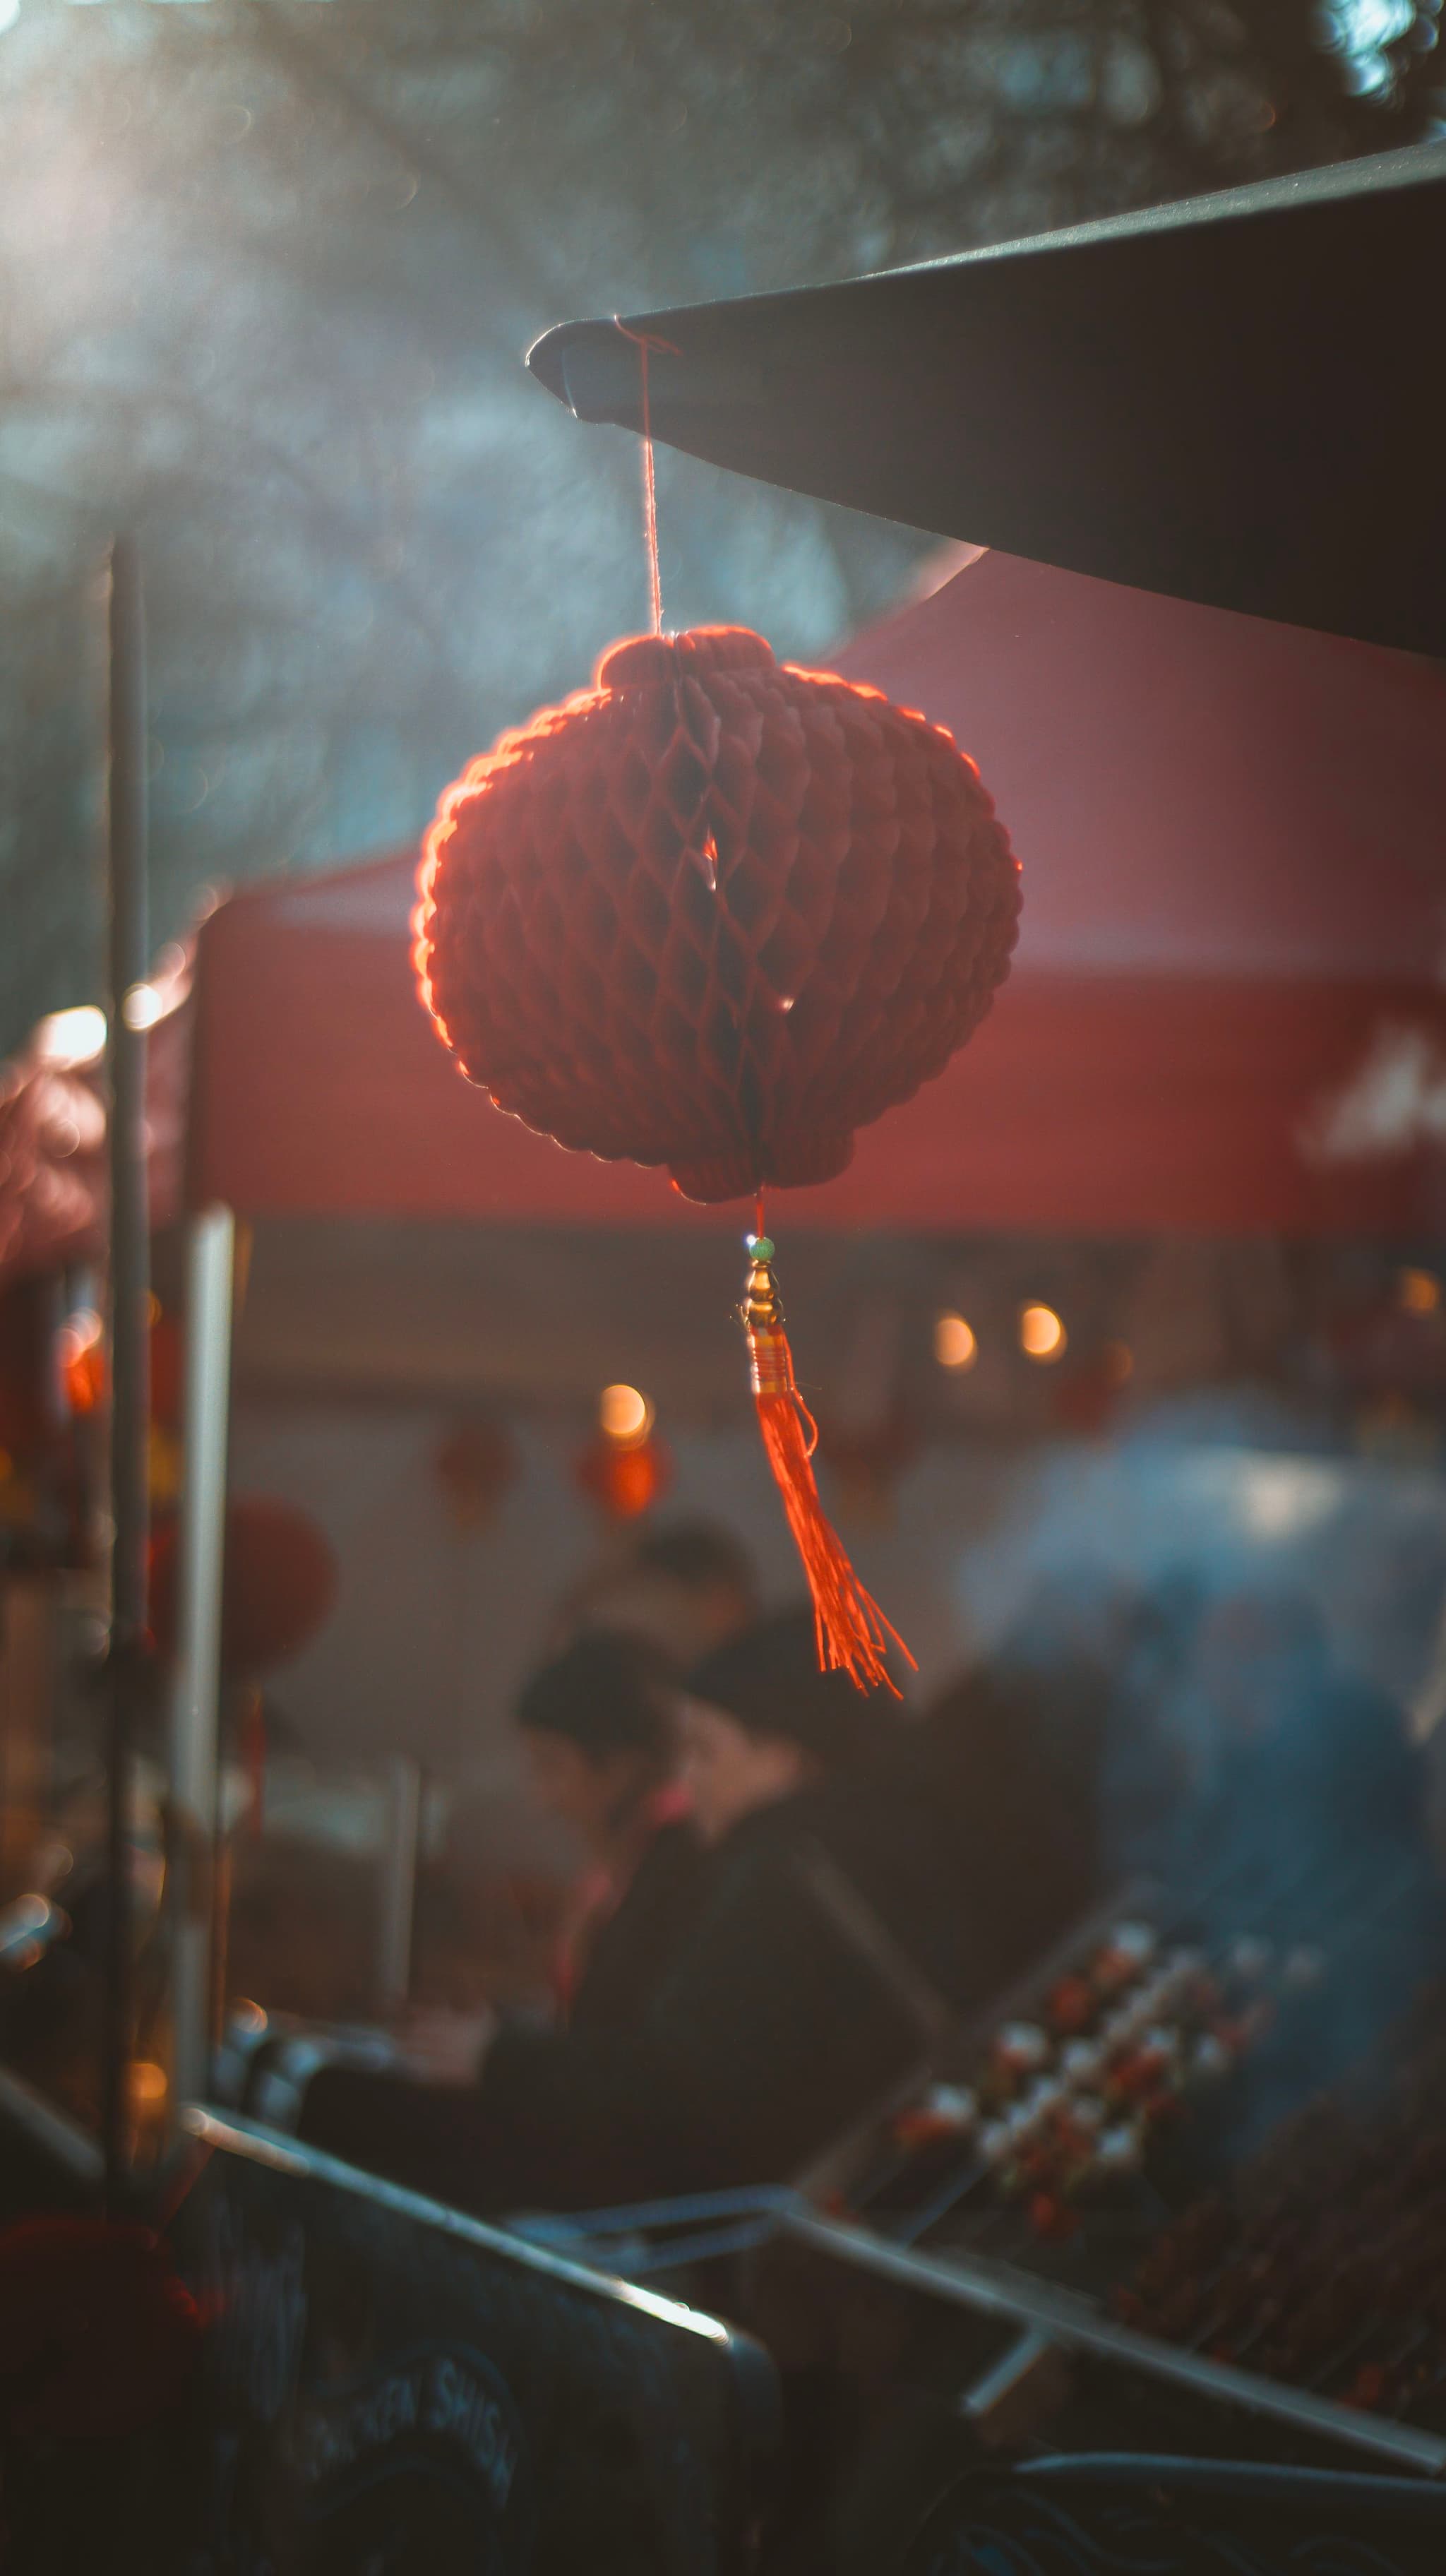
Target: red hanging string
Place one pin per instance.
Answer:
(644, 343)
(853, 1635)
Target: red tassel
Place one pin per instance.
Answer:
(853, 1634)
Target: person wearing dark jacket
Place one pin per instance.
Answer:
(599, 1731)
(599, 1734)
(803, 1996)
(769, 2029)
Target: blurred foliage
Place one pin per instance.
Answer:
(267, 268)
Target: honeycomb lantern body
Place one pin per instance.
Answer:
(716, 913)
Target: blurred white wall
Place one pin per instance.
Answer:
(433, 1631)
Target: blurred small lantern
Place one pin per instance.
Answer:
(624, 1470)
(867, 1463)
(80, 1359)
(476, 1465)
(280, 1585)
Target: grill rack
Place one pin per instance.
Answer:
(857, 2208)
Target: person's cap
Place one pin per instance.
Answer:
(698, 1554)
(767, 1679)
(607, 1693)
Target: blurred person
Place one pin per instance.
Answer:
(760, 1725)
(600, 1739)
(787, 2011)
(1061, 1668)
(599, 1732)
(1091, 1669)
(971, 1834)
(685, 1588)
(714, 1572)
(852, 1912)
(51, 2006)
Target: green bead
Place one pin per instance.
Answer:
(760, 1246)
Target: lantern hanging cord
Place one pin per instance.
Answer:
(644, 343)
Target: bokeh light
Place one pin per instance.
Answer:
(143, 1006)
(625, 1415)
(955, 1343)
(1419, 1291)
(80, 1357)
(1042, 1335)
(71, 1037)
(148, 2083)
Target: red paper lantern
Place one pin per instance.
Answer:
(81, 1353)
(716, 912)
(624, 1478)
(100, 2336)
(476, 1465)
(281, 1582)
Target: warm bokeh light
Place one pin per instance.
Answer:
(142, 1007)
(1419, 1291)
(148, 2083)
(625, 1415)
(80, 1354)
(1118, 1361)
(955, 1345)
(1041, 1334)
(53, 1862)
(71, 1037)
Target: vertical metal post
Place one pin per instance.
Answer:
(399, 1881)
(129, 1293)
(195, 1707)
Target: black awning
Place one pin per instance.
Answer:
(1240, 399)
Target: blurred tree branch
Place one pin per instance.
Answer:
(266, 271)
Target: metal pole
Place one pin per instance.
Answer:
(399, 1881)
(210, 1269)
(129, 1294)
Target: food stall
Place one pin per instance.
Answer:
(1217, 1022)
(1055, 2241)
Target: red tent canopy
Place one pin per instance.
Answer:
(1225, 1013)
(1234, 844)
